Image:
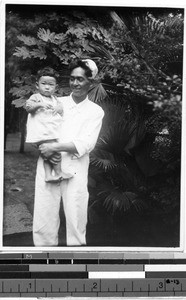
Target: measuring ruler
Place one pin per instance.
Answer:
(91, 275)
(93, 287)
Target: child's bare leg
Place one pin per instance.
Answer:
(55, 160)
(57, 169)
(48, 170)
(49, 176)
(49, 166)
(53, 172)
(62, 175)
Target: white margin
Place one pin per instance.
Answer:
(131, 3)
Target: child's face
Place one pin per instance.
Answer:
(46, 85)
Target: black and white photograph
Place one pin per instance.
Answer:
(93, 126)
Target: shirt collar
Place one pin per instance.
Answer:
(77, 105)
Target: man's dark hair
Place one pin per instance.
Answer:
(79, 63)
(47, 71)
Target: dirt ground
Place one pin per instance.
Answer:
(19, 173)
(19, 177)
(19, 182)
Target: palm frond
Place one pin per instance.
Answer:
(103, 159)
(139, 204)
(121, 201)
(174, 24)
(122, 130)
(117, 137)
(115, 108)
(118, 20)
(97, 93)
(101, 51)
(138, 135)
(154, 26)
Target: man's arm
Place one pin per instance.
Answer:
(48, 149)
(86, 141)
(82, 144)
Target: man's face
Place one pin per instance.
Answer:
(79, 83)
(46, 85)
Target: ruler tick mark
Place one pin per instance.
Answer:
(67, 287)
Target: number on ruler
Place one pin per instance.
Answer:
(95, 285)
(160, 285)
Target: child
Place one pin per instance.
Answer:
(44, 119)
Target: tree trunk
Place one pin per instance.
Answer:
(22, 143)
(23, 131)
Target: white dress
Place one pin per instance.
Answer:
(81, 125)
(43, 124)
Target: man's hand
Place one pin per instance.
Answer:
(47, 149)
(58, 109)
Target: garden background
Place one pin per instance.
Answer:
(134, 178)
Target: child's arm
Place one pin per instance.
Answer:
(33, 104)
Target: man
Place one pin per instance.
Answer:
(79, 131)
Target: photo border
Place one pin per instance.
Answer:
(182, 247)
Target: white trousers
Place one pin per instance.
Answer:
(74, 194)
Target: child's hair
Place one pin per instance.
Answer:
(47, 71)
(79, 63)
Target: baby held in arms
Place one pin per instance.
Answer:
(44, 118)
